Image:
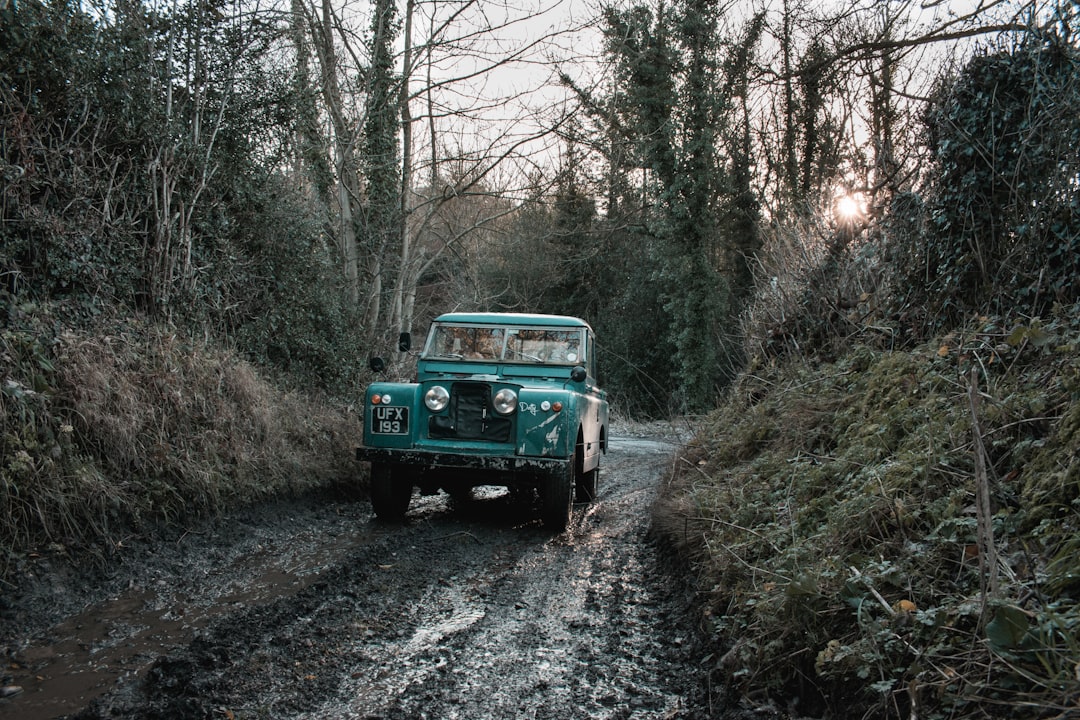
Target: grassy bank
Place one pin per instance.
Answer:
(115, 425)
(895, 533)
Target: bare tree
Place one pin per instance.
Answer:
(836, 88)
(463, 147)
(203, 60)
(479, 107)
(323, 25)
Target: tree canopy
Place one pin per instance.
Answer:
(308, 180)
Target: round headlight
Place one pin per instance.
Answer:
(436, 398)
(505, 401)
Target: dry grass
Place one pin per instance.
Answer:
(113, 429)
(817, 290)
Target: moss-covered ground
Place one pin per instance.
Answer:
(895, 533)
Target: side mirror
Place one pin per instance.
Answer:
(377, 364)
(578, 374)
(404, 342)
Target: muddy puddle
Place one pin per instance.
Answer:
(118, 639)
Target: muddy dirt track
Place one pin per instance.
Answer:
(466, 611)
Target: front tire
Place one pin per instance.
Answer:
(390, 493)
(588, 485)
(460, 497)
(557, 498)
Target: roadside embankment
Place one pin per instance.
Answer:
(113, 426)
(895, 533)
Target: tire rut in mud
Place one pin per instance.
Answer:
(471, 611)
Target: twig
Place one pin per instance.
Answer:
(1024, 421)
(988, 563)
(866, 581)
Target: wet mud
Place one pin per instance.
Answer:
(317, 610)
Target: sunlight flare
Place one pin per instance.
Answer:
(849, 207)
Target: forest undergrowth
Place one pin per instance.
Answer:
(895, 533)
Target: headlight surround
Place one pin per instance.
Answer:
(505, 401)
(436, 398)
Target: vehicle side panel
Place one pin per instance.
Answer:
(593, 413)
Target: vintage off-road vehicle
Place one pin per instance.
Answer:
(503, 399)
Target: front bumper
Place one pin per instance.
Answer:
(439, 459)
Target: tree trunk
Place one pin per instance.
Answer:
(405, 286)
(344, 156)
(791, 132)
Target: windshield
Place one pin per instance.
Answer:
(559, 346)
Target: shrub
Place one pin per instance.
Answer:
(1003, 227)
(127, 424)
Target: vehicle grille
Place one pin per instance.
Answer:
(471, 416)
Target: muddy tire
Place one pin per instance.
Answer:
(585, 483)
(390, 493)
(460, 497)
(522, 496)
(588, 484)
(557, 499)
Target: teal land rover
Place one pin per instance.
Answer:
(503, 399)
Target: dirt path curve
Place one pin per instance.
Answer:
(468, 612)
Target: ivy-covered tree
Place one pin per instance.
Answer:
(696, 296)
(638, 41)
(1003, 220)
(740, 213)
(577, 272)
(381, 159)
(687, 210)
(640, 123)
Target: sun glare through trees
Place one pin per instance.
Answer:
(849, 207)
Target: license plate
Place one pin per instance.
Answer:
(390, 420)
